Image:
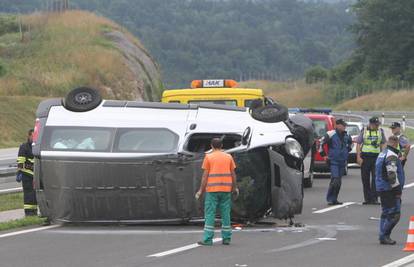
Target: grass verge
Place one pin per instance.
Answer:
(27, 221)
(11, 201)
(410, 134)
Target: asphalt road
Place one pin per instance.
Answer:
(345, 236)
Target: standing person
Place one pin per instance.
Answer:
(369, 145)
(25, 162)
(218, 182)
(339, 144)
(403, 142)
(389, 184)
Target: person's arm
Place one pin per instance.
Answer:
(21, 158)
(383, 144)
(405, 143)
(360, 141)
(203, 184)
(324, 140)
(234, 177)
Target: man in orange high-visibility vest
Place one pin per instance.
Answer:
(218, 182)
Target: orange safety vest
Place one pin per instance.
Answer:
(219, 166)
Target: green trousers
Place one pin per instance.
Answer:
(212, 202)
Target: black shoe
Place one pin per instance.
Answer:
(387, 241)
(226, 242)
(334, 203)
(366, 203)
(375, 203)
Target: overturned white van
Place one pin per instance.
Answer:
(138, 162)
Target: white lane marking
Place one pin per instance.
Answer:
(408, 185)
(11, 190)
(180, 249)
(29, 231)
(401, 262)
(334, 207)
(326, 239)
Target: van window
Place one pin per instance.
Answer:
(145, 141)
(219, 102)
(248, 102)
(79, 139)
(320, 127)
(200, 142)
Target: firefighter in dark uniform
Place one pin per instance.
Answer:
(25, 163)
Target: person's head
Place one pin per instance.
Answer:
(216, 144)
(395, 128)
(393, 141)
(340, 125)
(374, 123)
(30, 135)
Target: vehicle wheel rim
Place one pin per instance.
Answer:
(83, 98)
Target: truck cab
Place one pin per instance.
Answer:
(224, 92)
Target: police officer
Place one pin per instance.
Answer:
(25, 164)
(339, 144)
(369, 145)
(218, 182)
(389, 184)
(403, 143)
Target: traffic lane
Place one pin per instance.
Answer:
(114, 247)
(9, 183)
(8, 156)
(351, 226)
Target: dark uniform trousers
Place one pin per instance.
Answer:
(29, 195)
(368, 178)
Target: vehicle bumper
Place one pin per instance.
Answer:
(321, 166)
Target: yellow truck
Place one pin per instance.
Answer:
(225, 92)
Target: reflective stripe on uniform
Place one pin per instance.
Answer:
(219, 175)
(369, 137)
(29, 207)
(21, 160)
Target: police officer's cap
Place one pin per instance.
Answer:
(374, 120)
(341, 121)
(395, 124)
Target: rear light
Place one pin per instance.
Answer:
(36, 131)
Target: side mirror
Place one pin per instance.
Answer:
(246, 136)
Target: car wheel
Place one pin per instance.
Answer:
(82, 99)
(271, 113)
(308, 182)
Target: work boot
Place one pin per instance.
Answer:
(387, 241)
(204, 243)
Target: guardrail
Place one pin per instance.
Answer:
(7, 171)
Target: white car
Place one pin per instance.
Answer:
(354, 129)
(133, 162)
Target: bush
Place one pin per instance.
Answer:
(316, 74)
(8, 24)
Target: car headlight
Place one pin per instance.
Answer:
(293, 148)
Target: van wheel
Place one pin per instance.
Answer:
(308, 182)
(82, 99)
(271, 113)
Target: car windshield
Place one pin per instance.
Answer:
(353, 130)
(79, 139)
(146, 141)
(320, 127)
(219, 102)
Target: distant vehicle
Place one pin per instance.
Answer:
(323, 122)
(223, 92)
(140, 162)
(354, 129)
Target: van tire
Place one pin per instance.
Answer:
(271, 113)
(82, 99)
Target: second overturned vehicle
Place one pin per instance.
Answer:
(137, 162)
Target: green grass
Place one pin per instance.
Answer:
(410, 134)
(11, 201)
(17, 116)
(27, 221)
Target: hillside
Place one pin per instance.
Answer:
(300, 94)
(60, 51)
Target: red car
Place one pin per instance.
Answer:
(323, 122)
